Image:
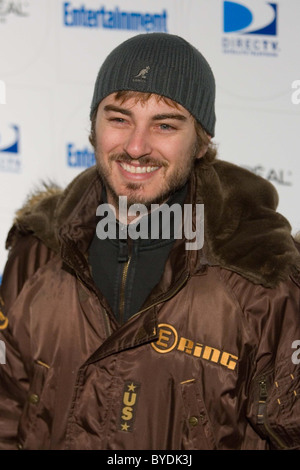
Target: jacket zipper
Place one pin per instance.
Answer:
(261, 416)
(122, 290)
(174, 292)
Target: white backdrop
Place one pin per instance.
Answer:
(50, 53)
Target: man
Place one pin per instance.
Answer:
(143, 342)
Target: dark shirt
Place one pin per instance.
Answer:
(126, 270)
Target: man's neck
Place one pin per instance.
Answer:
(132, 214)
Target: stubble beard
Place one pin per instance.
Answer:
(174, 182)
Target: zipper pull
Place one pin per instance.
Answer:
(263, 394)
(123, 254)
(263, 390)
(262, 416)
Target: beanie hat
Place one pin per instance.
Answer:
(164, 64)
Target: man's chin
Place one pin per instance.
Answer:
(139, 193)
(136, 198)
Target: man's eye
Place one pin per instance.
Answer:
(117, 119)
(166, 127)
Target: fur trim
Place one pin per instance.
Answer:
(47, 190)
(243, 231)
(36, 216)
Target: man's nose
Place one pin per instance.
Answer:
(138, 143)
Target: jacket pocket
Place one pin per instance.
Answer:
(197, 430)
(278, 409)
(33, 405)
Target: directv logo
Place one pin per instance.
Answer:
(9, 149)
(238, 17)
(79, 158)
(113, 19)
(250, 27)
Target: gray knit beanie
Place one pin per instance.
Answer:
(164, 64)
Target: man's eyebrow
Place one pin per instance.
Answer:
(159, 117)
(111, 107)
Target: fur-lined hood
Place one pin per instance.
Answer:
(243, 231)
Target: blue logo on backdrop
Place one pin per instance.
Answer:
(238, 17)
(86, 17)
(250, 28)
(83, 158)
(10, 149)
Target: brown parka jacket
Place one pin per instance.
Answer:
(209, 362)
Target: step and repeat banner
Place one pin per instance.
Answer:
(50, 53)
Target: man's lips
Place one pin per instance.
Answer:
(134, 172)
(138, 169)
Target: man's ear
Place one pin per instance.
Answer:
(202, 151)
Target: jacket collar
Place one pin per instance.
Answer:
(243, 232)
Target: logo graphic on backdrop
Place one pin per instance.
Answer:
(9, 8)
(10, 149)
(86, 17)
(79, 157)
(250, 28)
(280, 176)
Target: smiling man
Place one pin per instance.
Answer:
(136, 342)
(145, 150)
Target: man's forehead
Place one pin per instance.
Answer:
(129, 100)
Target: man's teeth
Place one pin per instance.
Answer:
(138, 169)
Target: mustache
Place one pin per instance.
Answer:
(144, 160)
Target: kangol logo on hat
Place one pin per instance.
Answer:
(143, 73)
